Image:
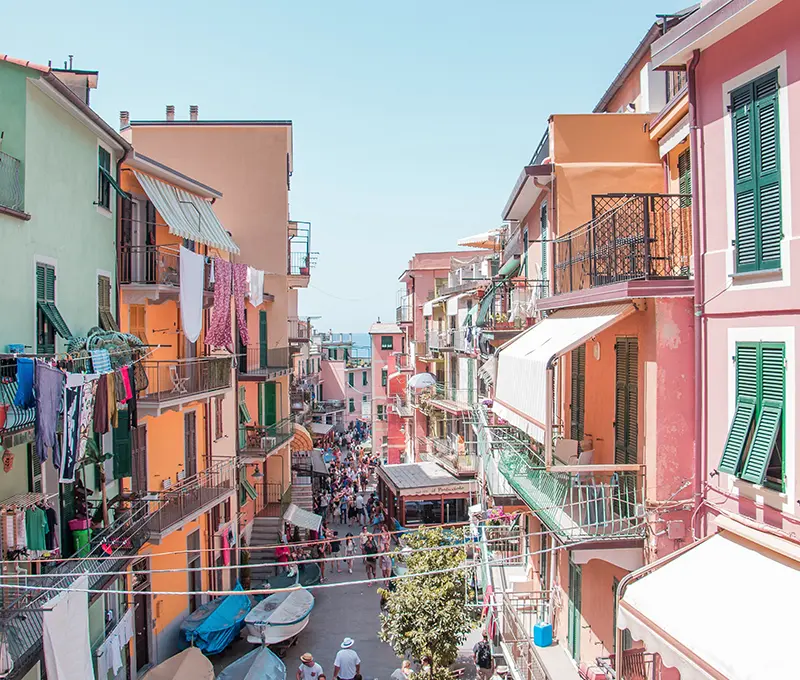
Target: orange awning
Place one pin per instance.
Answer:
(302, 440)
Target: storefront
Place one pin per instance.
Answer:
(424, 493)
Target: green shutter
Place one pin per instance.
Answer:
(768, 170)
(247, 491)
(262, 338)
(351, 379)
(364, 378)
(270, 404)
(744, 183)
(122, 446)
(261, 405)
(737, 436)
(685, 178)
(244, 412)
(626, 423)
(40, 282)
(352, 405)
(578, 395)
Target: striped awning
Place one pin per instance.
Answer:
(186, 215)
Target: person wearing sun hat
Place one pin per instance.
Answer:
(347, 663)
(309, 670)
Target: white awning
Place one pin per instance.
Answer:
(302, 518)
(488, 239)
(452, 305)
(321, 428)
(725, 608)
(427, 308)
(186, 215)
(521, 393)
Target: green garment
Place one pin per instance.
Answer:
(36, 528)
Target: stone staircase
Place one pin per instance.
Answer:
(266, 531)
(302, 495)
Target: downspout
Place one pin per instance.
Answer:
(697, 231)
(126, 152)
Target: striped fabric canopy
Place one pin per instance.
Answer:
(187, 215)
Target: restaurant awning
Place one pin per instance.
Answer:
(302, 518)
(186, 215)
(302, 440)
(321, 428)
(521, 392)
(488, 239)
(709, 612)
(318, 466)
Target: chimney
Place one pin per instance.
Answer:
(124, 120)
(170, 113)
(193, 111)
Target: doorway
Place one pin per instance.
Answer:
(141, 613)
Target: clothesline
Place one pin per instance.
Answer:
(21, 501)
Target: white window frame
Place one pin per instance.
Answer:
(766, 279)
(53, 262)
(104, 272)
(107, 212)
(783, 501)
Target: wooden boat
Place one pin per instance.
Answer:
(279, 617)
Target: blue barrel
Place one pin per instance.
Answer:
(543, 634)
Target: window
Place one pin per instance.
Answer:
(194, 561)
(190, 444)
(332, 353)
(352, 405)
(218, 422)
(364, 399)
(364, 378)
(757, 174)
(387, 342)
(137, 322)
(103, 178)
(578, 393)
(351, 379)
(543, 228)
(627, 638)
(105, 318)
(626, 418)
(757, 424)
(380, 411)
(48, 319)
(384, 376)
(685, 178)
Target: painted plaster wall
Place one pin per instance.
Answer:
(738, 310)
(630, 89)
(65, 226)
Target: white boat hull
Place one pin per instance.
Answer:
(265, 634)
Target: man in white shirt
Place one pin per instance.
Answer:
(360, 509)
(347, 663)
(309, 670)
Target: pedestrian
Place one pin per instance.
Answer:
(370, 552)
(404, 672)
(318, 553)
(336, 546)
(362, 517)
(352, 512)
(309, 669)
(343, 503)
(385, 561)
(349, 551)
(347, 663)
(482, 655)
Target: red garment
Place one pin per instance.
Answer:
(126, 380)
(219, 334)
(226, 550)
(282, 553)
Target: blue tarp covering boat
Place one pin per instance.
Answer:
(215, 625)
(260, 664)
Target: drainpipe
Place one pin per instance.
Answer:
(697, 231)
(126, 152)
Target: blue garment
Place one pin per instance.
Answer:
(24, 396)
(101, 361)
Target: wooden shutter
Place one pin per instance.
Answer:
(45, 293)
(34, 470)
(543, 225)
(364, 378)
(578, 395)
(771, 385)
(137, 322)
(121, 437)
(685, 178)
(626, 424)
(262, 339)
(139, 480)
(351, 379)
(768, 175)
(574, 610)
(744, 184)
(270, 403)
(190, 443)
(352, 405)
(746, 403)
(218, 415)
(261, 418)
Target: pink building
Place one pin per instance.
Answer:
(349, 381)
(388, 383)
(742, 60)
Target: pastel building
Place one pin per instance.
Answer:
(388, 383)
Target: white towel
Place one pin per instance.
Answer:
(192, 271)
(67, 654)
(256, 278)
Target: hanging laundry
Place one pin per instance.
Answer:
(21, 542)
(87, 413)
(219, 334)
(119, 387)
(71, 437)
(211, 272)
(36, 528)
(101, 405)
(50, 541)
(49, 395)
(239, 291)
(65, 634)
(125, 372)
(101, 361)
(191, 293)
(256, 278)
(24, 395)
(226, 549)
(113, 419)
(142, 382)
(133, 420)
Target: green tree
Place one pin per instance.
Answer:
(427, 615)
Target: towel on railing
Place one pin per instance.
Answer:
(193, 267)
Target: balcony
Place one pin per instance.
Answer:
(299, 329)
(637, 664)
(511, 244)
(358, 362)
(258, 441)
(637, 245)
(174, 382)
(469, 275)
(402, 406)
(300, 259)
(403, 362)
(271, 499)
(577, 502)
(154, 273)
(458, 458)
(259, 363)
(190, 498)
(509, 306)
(16, 423)
(329, 406)
(12, 194)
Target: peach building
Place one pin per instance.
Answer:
(388, 383)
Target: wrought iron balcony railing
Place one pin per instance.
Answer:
(12, 194)
(632, 236)
(175, 381)
(521, 611)
(13, 418)
(260, 361)
(511, 244)
(329, 406)
(263, 439)
(457, 457)
(272, 500)
(155, 266)
(301, 264)
(190, 497)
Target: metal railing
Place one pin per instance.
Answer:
(636, 664)
(177, 379)
(13, 418)
(155, 265)
(403, 313)
(598, 501)
(520, 612)
(329, 406)
(259, 360)
(511, 244)
(272, 500)
(402, 362)
(263, 439)
(358, 362)
(632, 236)
(299, 329)
(301, 264)
(460, 458)
(191, 495)
(12, 194)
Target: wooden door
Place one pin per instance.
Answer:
(190, 443)
(263, 355)
(140, 459)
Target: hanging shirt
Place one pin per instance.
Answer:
(24, 395)
(36, 528)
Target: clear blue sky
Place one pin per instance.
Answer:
(412, 119)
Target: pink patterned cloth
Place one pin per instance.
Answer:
(240, 287)
(219, 334)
